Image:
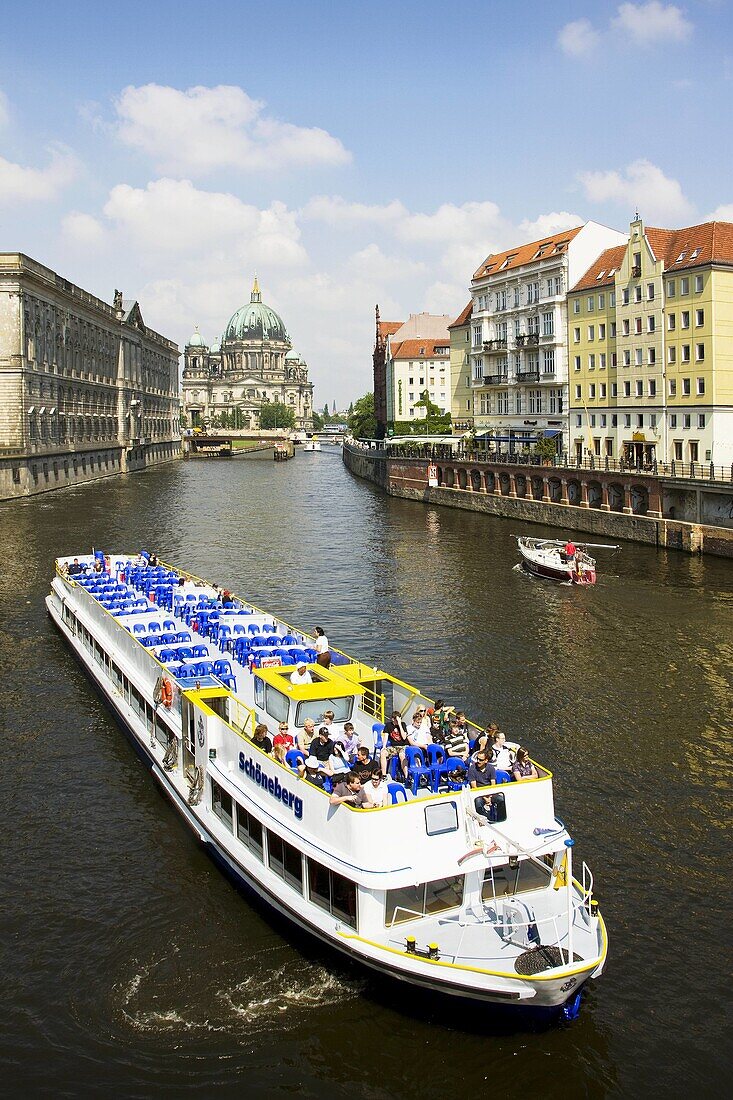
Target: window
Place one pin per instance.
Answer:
(637, 293)
(602, 360)
(672, 354)
(699, 352)
(637, 325)
(558, 285)
(591, 303)
(578, 421)
(698, 282)
(285, 861)
(671, 322)
(651, 323)
(693, 450)
(672, 387)
(652, 387)
(577, 362)
(591, 362)
(576, 305)
(701, 420)
(535, 401)
(578, 393)
(516, 297)
(685, 353)
(614, 420)
(673, 421)
(626, 326)
(501, 299)
(686, 387)
(249, 831)
(613, 330)
(477, 330)
(601, 301)
(627, 420)
(603, 389)
(651, 356)
(592, 390)
(685, 318)
(611, 295)
(640, 420)
(700, 387)
(638, 356)
(314, 709)
(627, 358)
(639, 388)
(427, 898)
(614, 389)
(548, 324)
(591, 332)
(333, 892)
(650, 292)
(222, 805)
(603, 420)
(686, 420)
(276, 704)
(677, 448)
(593, 420)
(684, 286)
(555, 402)
(576, 335)
(699, 318)
(627, 389)
(601, 332)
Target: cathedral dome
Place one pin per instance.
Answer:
(255, 321)
(292, 356)
(196, 340)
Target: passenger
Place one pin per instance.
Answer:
(75, 568)
(482, 774)
(376, 791)
(436, 730)
(153, 560)
(301, 674)
(523, 766)
(485, 740)
(418, 731)
(261, 738)
(569, 550)
(327, 721)
(282, 742)
(98, 566)
(64, 569)
(456, 740)
(365, 767)
(311, 772)
(321, 648)
(141, 561)
(323, 749)
(304, 737)
(395, 742)
(502, 757)
(348, 791)
(348, 741)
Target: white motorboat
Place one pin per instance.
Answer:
(312, 445)
(437, 888)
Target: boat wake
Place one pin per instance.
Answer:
(519, 568)
(269, 995)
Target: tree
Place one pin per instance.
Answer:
(362, 421)
(276, 415)
(317, 421)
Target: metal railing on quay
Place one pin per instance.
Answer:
(458, 452)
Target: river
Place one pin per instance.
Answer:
(132, 965)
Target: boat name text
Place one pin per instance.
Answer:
(273, 786)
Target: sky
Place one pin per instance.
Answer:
(348, 153)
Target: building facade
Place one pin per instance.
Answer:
(379, 367)
(252, 365)
(651, 348)
(519, 334)
(417, 359)
(86, 389)
(460, 368)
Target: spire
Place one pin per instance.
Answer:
(256, 296)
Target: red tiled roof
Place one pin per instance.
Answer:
(608, 261)
(462, 317)
(713, 242)
(419, 349)
(388, 328)
(525, 253)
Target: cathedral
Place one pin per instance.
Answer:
(253, 364)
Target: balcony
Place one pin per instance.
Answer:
(533, 338)
(498, 344)
(636, 271)
(528, 376)
(496, 379)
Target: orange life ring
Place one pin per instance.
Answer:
(166, 693)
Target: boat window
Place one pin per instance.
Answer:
(314, 709)
(285, 861)
(276, 704)
(259, 692)
(249, 831)
(408, 902)
(221, 805)
(442, 818)
(527, 875)
(332, 892)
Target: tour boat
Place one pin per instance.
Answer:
(547, 558)
(424, 889)
(312, 445)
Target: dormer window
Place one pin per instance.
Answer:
(695, 253)
(600, 274)
(681, 256)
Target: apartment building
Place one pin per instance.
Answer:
(417, 358)
(460, 368)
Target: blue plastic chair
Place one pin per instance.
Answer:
(222, 668)
(378, 730)
(204, 668)
(229, 682)
(288, 639)
(442, 774)
(503, 777)
(293, 757)
(397, 793)
(253, 628)
(200, 651)
(416, 768)
(287, 659)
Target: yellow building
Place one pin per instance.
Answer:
(460, 368)
(650, 333)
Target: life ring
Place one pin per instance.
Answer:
(166, 693)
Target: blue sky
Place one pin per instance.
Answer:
(350, 153)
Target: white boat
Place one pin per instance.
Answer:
(424, 890)
(548, 558)
(312, 445)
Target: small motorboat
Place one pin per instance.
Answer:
(312, 445)
(550, 558)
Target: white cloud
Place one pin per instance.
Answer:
(579, 38)
(652, 22)
(452, 224)
(202, 129)
(20, 184)
(722, 213)
(174, 218)
(547, 224)
(83, 230)
(372, 263)
(4, 109)
(337, 211)
(643, 186)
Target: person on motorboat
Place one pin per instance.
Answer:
(310, 771)
(282, 742)
(304, 737)
(261, 738)
(365, 767)
(348, 791)
(501, 756)
(301, 674)
(321, 647)
(569, 550)
(482, 774)
(523, 767)
(376, 791)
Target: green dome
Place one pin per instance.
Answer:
(255, 321)
(196, 341)
(292, 354)
(215, 347)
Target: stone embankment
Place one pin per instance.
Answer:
(634, 506)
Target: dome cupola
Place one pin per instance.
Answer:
(256, 321)
(196, 340)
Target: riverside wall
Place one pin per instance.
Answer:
(611, 505)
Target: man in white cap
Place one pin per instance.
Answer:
(301, 674)
(310, 771)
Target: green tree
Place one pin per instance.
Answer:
(362, 421)
(274, 414)
(317, 421)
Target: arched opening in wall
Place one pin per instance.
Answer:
(538, 488)
(440, 475)
(505, 484)
(462, 479)
(476, 481)
(490, 481)
(450, 478)
(639, 500)
(520, 484)
(555, 487)
(574, 492)
(595, 494)
(616, 497)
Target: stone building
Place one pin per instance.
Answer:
(86, 389)
(253, 364)
(417, 358)
(384, 329)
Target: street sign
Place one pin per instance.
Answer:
(433, 476)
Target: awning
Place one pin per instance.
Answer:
(550, 433)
